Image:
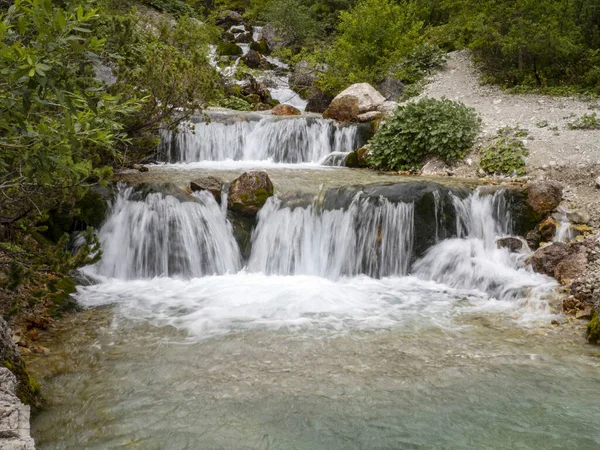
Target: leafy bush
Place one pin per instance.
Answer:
(424, 59)
(505, 156)
(236, 103)
(586, 122)
(177, 8)
(417, 131)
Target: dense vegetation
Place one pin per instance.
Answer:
(420, 130)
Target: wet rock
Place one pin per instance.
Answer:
(318, 101)
(273, 37)
(211, 184)
(544, 196)
(578, 217)
(229, 49)
(571, 267)
(302, 78)
(369, 116)
(253, 87)
(513, 244)
(249, 192)
(343, 109)
(545, 259)
(391, 88)
(243, 38)
(547, 229)
(584, 314)
(286, 110)
(358, 158)
(255, 60)
(229, 19)
(533, 238)
(140, 168)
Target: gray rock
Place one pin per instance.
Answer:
(434, 166)
(597, 182)
(367, 96)
(369, 116)
(388, 108)
(578, 217)
(318, 101)
(15, 430)
(211, 184)
(391, 88)
(513, 244)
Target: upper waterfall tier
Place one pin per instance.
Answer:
(282, 140)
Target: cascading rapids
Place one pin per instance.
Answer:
(287, 140)
(367, 238)
(161, 236)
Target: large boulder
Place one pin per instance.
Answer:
(388, 108)
(545, 259)
(544, 196)
(249, 192)
(285, 110)
(318, 101)
(368, 97)
(255, 60)
(211, 184)
(343, 109)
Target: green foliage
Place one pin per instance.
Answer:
(177, 8)
(505, 156)
(373, 38)
(586, 122)
(424, 129)
(236, 103)
(593, 329)
(62, 123)
(423, 60)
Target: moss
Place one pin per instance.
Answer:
(593, 329)
(229, 49)
(261, 196)
(28, 389)
(351, 160)
(253, 99)
(260, 47)
(60, 290)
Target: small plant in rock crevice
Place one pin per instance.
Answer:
(424, 129)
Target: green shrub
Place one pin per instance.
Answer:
(420, 130)
(228, 49)
(177, 8)
(586, 122)
(424, 59)
(236, 103)
(505, 156)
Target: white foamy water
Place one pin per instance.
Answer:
(337, 270)
(288, 140)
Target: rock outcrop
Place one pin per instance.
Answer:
(249, 192)
(363, 95)
(211, 184)
(15, 431)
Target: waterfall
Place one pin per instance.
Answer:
(287, 140)
(472, 260)
(162, 236)
(367, 238)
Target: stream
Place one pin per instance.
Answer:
(370, 312)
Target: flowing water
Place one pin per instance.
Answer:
(374, 317)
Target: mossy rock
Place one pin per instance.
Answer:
(593, 329)
(249, 192)
(351, 160)
(229, 49)
(261, 47)
(253, 99)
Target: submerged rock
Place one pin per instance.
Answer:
(544, 196)
(249, 192)
(210, 183)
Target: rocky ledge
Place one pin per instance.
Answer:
(14, 416)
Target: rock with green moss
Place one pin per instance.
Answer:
(261, 47)
(249, 192)
(229, 49)
(593, 329)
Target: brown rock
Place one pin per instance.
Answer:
(547, 229)
(571, 267)
(318, 101)
(584, 314)
(249, 192)
(285, 110)
(343, 109)
(513, 244)
(212, 184)
(544, 196)
(545, 259)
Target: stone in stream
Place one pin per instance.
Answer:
(318, 101)
(571, 267)
(210, 183)
(229, 19)
(512, 243)
(255, 60)
(547, 229)
(545, 259)
(286, 110)
(261, 47)
(544, 196)
(249, 192)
